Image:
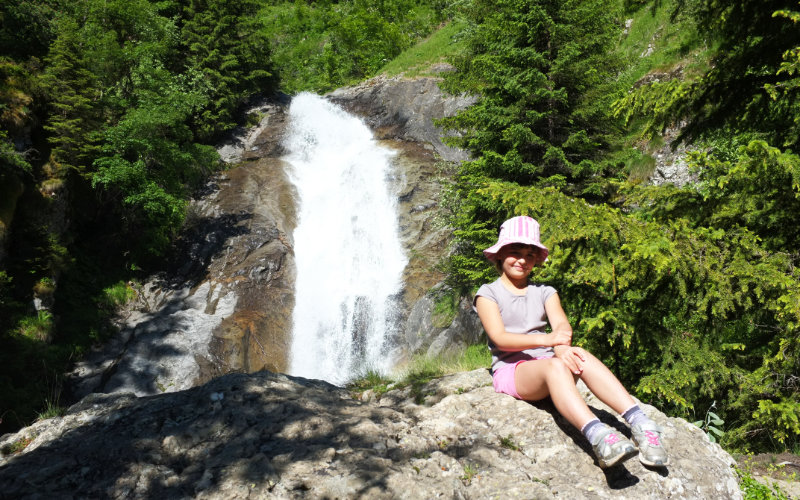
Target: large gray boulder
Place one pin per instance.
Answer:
(405, 109)
(265, 435)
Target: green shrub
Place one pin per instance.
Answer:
(754, 490)
(117, 295)
(39, 327)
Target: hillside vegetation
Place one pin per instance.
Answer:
(689, 293)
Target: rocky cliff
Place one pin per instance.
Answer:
(265, 435)
(224, 303)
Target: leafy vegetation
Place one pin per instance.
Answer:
(711, 425)
(323, 45)
(752, 489)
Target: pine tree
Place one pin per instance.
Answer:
(227, 47)
(532, 62)
(72, 90)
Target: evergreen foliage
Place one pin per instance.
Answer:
(229, 49)
(689, 294)
(752, 58)
(72, 90)
(684, 315)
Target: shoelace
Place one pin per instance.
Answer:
(652, 438)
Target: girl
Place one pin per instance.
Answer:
(529, 364)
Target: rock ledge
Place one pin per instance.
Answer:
(269, 435)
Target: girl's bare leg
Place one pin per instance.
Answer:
(539, 378)
(605, 385)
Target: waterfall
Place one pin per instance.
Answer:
(347, 249)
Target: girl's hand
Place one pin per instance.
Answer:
(560, 338)
(573, 357)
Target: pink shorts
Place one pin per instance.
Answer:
(503, 378)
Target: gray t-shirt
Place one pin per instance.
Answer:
(524, 314)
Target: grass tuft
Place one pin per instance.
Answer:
(423, 369)
(39, 327)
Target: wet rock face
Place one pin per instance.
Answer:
(272, 436)
(225, 303)
(258, 265)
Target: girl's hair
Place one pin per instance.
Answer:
(498, 262)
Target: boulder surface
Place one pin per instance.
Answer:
(266, 435)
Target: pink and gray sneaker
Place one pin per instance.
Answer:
(647, 437)
(611, 447)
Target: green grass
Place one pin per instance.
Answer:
(640, 167)
(38, 327)
(51, 409)
(470, 471)
(675, 42)
(117, 295)
(374, 381)
(422, 369)
(420, 59)
(473, 357)
(17, 446)
(508, 442)
(445, 308)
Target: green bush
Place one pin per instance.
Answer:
(118, 295)
(39, 327)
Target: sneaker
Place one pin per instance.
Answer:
(651, 450)
(611, 447)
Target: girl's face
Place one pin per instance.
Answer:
(517, 260)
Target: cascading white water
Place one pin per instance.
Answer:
(347, 249)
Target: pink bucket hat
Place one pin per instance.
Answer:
(520, 229)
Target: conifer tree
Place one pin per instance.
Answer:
(535, 65)
(532, 62)
(227, 47)
(742, 90)
(72, 89)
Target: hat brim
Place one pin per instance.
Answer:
(491, 252)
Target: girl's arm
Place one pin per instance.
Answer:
(489, 314)
(556, 316)
(573, 357)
